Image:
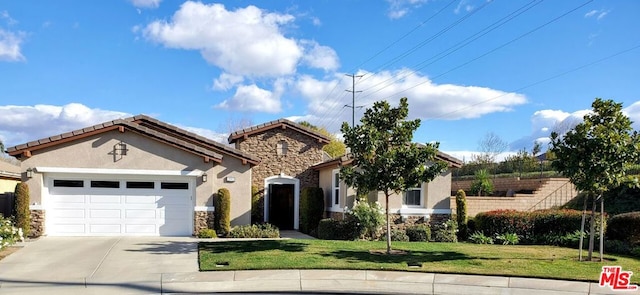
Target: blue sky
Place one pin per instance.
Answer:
(519, 69)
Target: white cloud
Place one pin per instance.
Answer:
(598, 14)
(5, 16)
(251, 98)
(463, 5)
(10, 49)
(246, 41)
(633, 112)
(146, 3)
(213, 135)
(321, 57)
(399, 8)
(427, 99)
(226, 81)
(20, 124)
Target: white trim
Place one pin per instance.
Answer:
(283, 179)
(204, 209)
(422, 200)
(335, 207)
(36, 207)
(421, 211)
(120, 171)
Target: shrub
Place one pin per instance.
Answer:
(9, 234)
(625, 227)
(255, 231)
(23, 215)
(461, 214)
(419, 233)
(207, 233)
(504, 221)
(446, 232)
(257, 205)
(368, 216)
(480, 238)
(311, 208)
(482, 184)
(617, 247)
(331, 229)
(396, 236)
(222, 212)
(508, 239)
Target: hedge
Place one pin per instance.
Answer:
(311, 208)
(625, 227)
(222, 212)
(21, 208)
(331, 229)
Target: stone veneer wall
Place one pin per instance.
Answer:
(202, 220)
(37, 223)
(303, 152)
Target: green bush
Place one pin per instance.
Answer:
(396, 236)
(446, 232)
(508, 239)
(617, 247)
(207, 233)
(482, 184)
(419, 233)
(461, 214)
(9, 234)
(311, 208)
(504, 221)
(480, 238)
(331, 229)
(257, 206)
(255, 231)
(21, 208)
(369, 217)
(222, 213)
(625, 227)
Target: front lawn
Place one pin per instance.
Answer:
(525, 261)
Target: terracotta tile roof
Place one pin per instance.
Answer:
(152, 128)
(348, 159)
(280, 123)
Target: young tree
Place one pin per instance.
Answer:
(384, 157)
(491, 145)
(596, 153)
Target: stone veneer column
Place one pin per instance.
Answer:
(37, 223)
(202, 220)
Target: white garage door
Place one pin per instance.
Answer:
(119, 207)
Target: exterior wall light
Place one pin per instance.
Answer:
(122, 148)
(29, 172)
(204, 177)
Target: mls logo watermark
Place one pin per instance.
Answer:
(616, 279)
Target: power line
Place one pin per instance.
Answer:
(353, 98)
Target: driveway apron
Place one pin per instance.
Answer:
(96, 265)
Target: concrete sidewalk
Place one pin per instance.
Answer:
(154, 265)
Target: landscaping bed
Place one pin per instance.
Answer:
(462, 258)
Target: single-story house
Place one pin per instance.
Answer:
(428, 202)
(141, 176)
(9, 177)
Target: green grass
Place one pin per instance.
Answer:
(463, 258)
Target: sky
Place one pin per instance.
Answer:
(516, 69)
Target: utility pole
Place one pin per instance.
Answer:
(353, 98)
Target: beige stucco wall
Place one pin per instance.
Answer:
(347, 194)
(145, 154)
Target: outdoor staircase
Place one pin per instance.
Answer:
(556, 192)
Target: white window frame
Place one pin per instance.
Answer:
(335, 190)
(421, 189)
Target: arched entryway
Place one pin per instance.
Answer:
(281, 201)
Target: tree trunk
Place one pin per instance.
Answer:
(584, 214)
(601, 227)
(592, 229)
(386, 200)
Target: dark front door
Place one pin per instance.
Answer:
(281, 205)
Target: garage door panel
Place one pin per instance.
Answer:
(105, 213)
(105, 199)
(105, 228)
(67, 213)
(64, 228)
(69, 199)
(137, 214)
(140, 228)
(140, 199)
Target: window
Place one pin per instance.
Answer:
(105, 184)
(174, 185)
(68, 183)
(140, 184)
(335, 191)
(282, 148)
(412, 197)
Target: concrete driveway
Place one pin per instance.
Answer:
(96, 265)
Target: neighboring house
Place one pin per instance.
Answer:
(9, 177)
(134, 176)
(428, 202)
